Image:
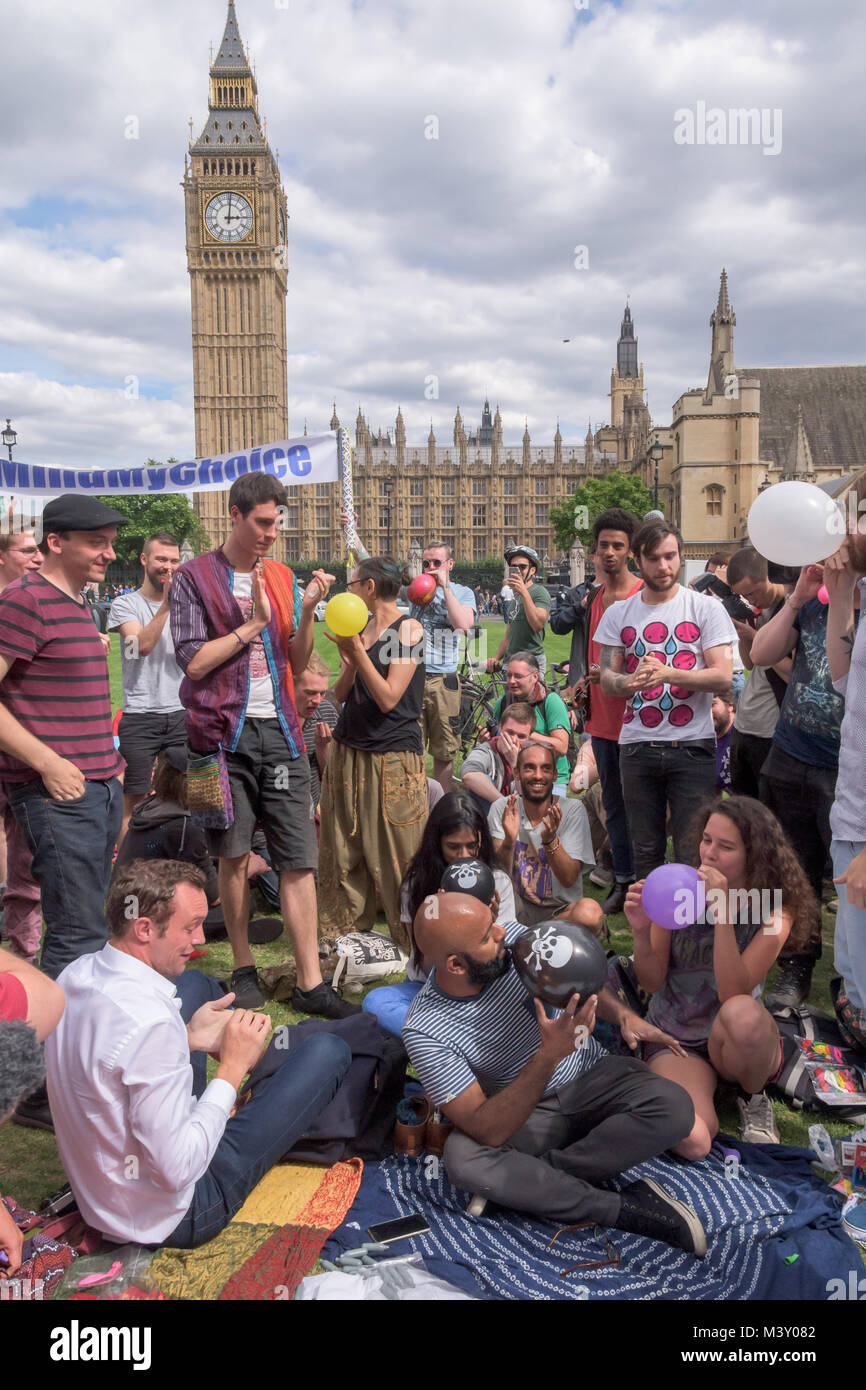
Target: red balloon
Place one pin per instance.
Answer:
(422, 589)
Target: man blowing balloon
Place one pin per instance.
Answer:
(542, 1113)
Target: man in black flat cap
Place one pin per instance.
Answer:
(58, 764)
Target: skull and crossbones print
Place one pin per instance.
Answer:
(549, 948)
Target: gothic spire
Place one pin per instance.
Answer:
(723, 312)
(231, 55)
(626, 348)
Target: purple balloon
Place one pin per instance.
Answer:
(674, 896)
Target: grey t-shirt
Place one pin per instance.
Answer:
(151, 683)
(758, 709)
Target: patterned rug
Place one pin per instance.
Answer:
(773, 1232)
(272, 1242)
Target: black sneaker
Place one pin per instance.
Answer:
(615, 901)
(34, 1112)
(324, 1002)
(245, 983)
(792, 987)
(647, 1210)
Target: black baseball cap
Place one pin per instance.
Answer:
(72, 512)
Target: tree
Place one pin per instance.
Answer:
(597, 494)
(166, 512)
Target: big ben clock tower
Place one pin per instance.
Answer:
(238, 267)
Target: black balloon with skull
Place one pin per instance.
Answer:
(470, 876)
(558, 959)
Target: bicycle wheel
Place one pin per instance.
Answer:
(476, 708)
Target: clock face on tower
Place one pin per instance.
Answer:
(229, 217)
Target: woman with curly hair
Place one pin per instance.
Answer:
(706, 980)
(456, 829)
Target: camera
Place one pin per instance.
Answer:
(734, 606)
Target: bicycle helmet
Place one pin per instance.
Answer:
(526, 551)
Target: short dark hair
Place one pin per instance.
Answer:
(615, 519)
(164, 538)
(529, 657)
(726, 696)
(718, 557)
(387, 575)
(148, 887)
(43, 544)
(651, 534)
(252, 489)
(746, 564)
(533, 743)
(519, 710)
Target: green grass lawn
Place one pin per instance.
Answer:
(29, 1164)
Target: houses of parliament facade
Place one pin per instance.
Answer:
(749, 428)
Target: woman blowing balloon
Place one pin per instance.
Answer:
(374, 792)
(706, 980)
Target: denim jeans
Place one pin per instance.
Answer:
(606, 753)
(800, 796)
(72, 843)
(849, 942)
(281, 1109)
(658, 777)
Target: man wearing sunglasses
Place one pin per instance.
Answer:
(527, 612)
(449, 612)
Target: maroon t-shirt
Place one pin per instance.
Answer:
(57, 686)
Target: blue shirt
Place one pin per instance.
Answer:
(441, 642)
(488, 1038)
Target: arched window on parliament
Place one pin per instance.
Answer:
(714, 499)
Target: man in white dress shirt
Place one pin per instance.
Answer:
(151, 1152)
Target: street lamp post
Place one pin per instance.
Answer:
(9, 437)
(655, 454)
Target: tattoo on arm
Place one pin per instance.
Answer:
(849, 638)
(611, 661)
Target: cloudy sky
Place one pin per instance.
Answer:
(413, 257)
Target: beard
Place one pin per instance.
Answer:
(487, 972)
(658, 587)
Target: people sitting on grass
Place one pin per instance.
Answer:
(543, 843)
(455, 830)
(542, 1114)
(706, 979)
(152, 1154)
(488, 770)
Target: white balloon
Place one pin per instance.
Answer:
(795, 524)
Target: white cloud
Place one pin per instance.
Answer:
(412, 256)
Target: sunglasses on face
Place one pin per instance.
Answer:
(431, 564)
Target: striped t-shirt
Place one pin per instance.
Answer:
(57, 686)
(488, 1038)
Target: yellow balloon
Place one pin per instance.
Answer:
(347, 614)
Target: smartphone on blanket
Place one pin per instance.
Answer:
(399, 1229)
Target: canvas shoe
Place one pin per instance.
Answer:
(757, 1121)
(648, 1210)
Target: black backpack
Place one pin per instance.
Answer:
(795, 1082)
(359, 1122)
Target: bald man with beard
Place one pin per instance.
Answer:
(542, 1113)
